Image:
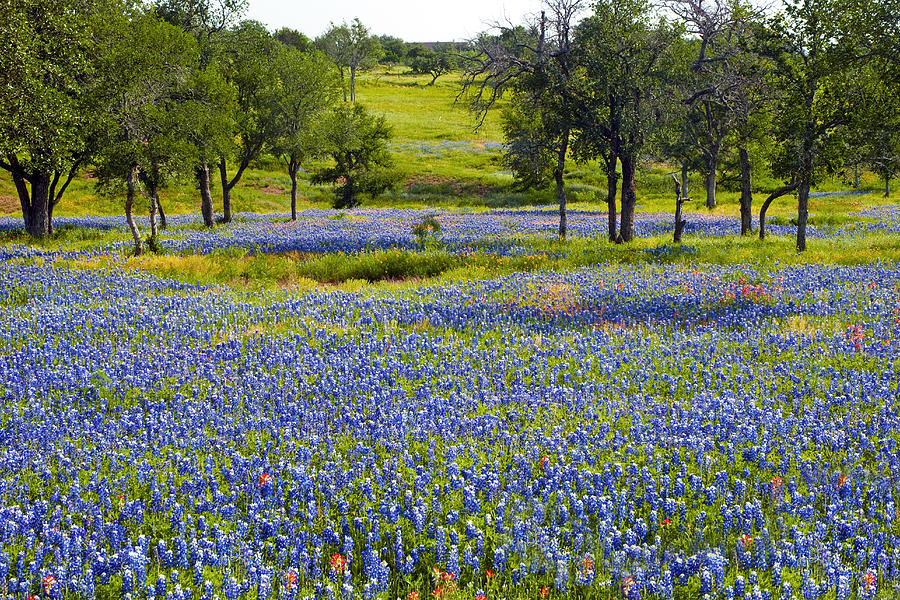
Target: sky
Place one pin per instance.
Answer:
(412, 20)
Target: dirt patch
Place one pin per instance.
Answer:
(9, 204)
(272, 190)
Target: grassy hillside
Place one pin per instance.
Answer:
(445, 162)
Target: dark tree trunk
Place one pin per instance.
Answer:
(887, 185)
(806, 165)
(206, 207)
(746, 192)
(129, 214)
(293, 167)
(352, 83)
(612, 182)
(765, 206)
(679, 222)
(710, 181)
(38, 222)
(163, 222)
(35, 202)
(856, 175)
(349, 199)
(629, 198)
(802, 213)
(558, 176)
(226, 192)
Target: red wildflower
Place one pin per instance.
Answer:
(47, 583)
(413, 596)
(544, 592)
(587, 565)
(841, 481)
(263, 479)
(290, 579)
(666, 522)
(627, 584)
(489, 573)
(746, 540)
(480, 597)
(338, 563)
(869, 579)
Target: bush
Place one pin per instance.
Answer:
(377, 266)
(429, 226)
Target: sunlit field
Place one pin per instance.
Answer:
(431, 395)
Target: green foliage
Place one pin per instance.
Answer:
(352, 48)
(435, 62)
(528, 155)
(148, 74)
(294, 39)
(357, 142)
(394, 50)
(50, 95)
(428, 227)
(247, 58)
(201, 18)
(377, 266)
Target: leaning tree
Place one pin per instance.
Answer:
(811, 52)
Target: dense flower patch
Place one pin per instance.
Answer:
(319, 230)
(615, 432)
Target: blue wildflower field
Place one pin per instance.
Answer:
(649, 430)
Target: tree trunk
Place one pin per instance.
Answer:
(612, 182)
(746, 192)
(50, 206)
(226, 192)
(679, 222)
(558, 176)
(765, 206)
(38, 223)
(710, 182)
(154, 231)
(684, 181)
(292, 170)
(352, 83)
(129, 216)
(163, 222)
(349, 194)
(887, 185)
(206, 207)
(802, 213)
(629, 198)
(343, 83)
(856, 175)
